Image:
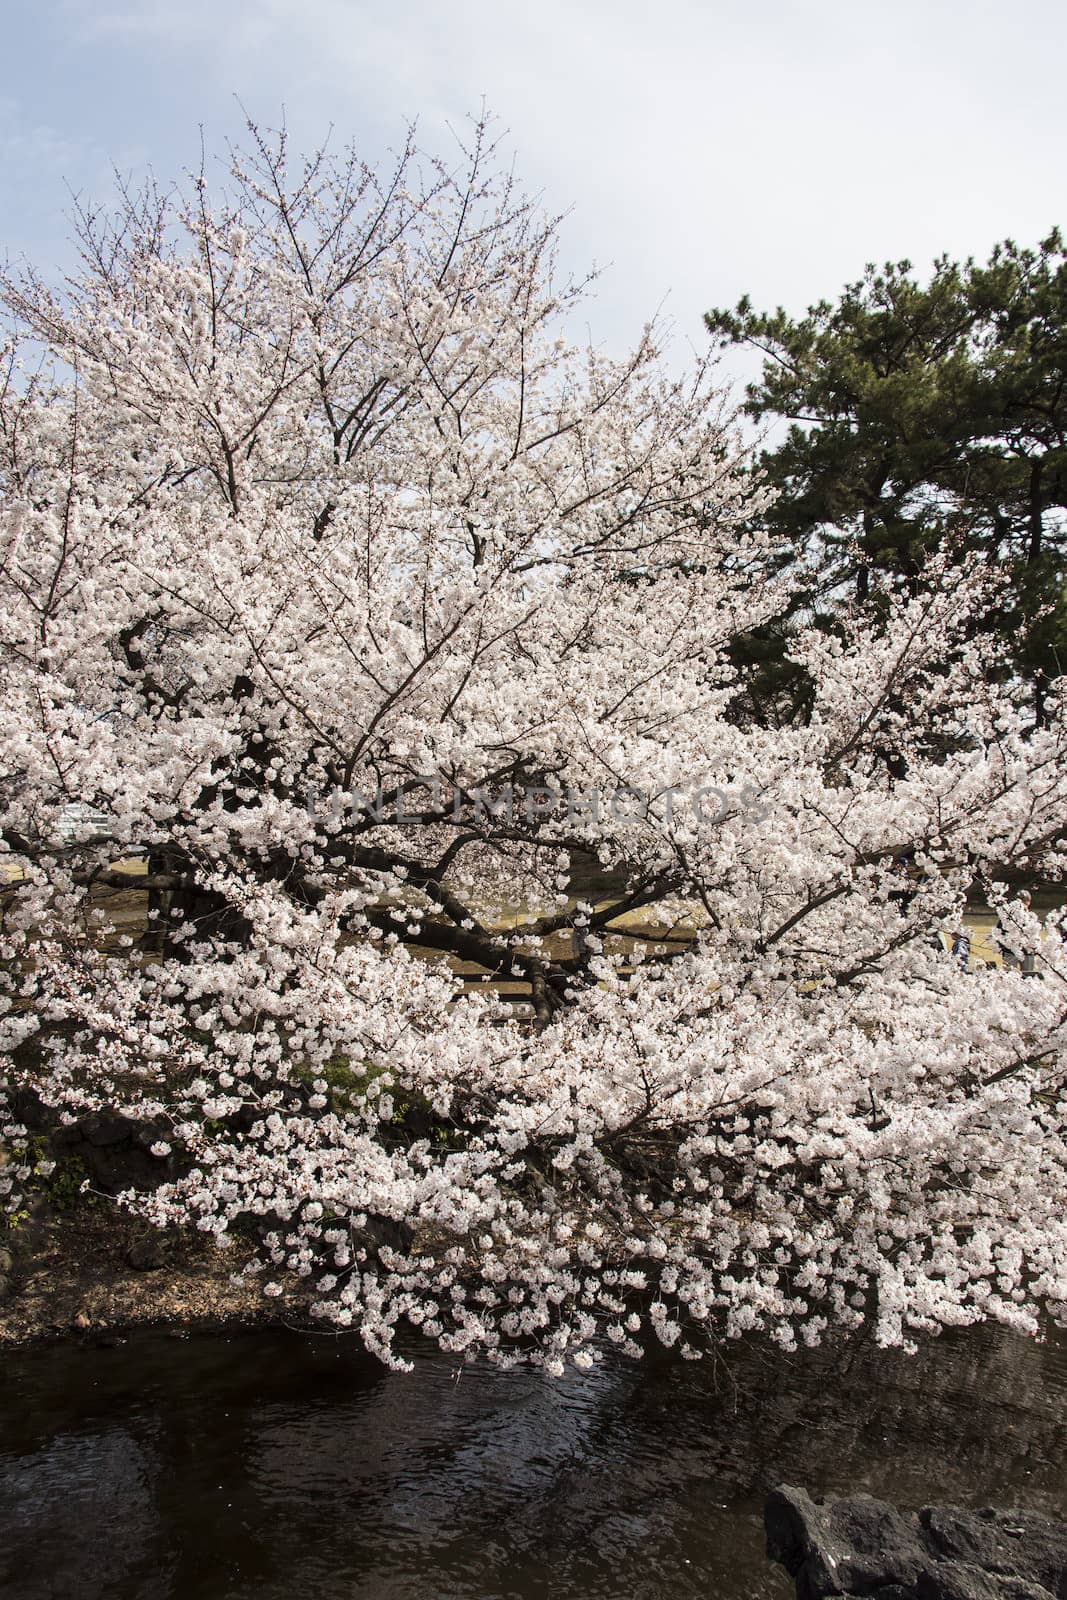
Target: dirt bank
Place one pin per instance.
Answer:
(94, 1268)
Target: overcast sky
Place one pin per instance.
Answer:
(706, 150)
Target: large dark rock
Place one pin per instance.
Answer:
(852, 1546)
(859, 1546)
(116, 1151)
(1000, 1542)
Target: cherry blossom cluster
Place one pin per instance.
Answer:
(305, 492)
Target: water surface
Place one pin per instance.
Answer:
(283, 1465)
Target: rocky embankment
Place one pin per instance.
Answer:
(95, 1273)
(77, 1262)
(859, 1546)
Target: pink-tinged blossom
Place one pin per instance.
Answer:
(303, 493)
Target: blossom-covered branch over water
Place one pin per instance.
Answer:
(305, 495)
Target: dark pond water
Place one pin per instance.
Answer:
(287, 1466)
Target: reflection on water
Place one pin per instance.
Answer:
(286, 1465)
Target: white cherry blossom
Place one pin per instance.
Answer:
(313, 527)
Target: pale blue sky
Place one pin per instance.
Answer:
(706, 149)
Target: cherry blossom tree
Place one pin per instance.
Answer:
(345, 591)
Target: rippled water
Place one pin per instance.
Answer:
(288, 1466)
